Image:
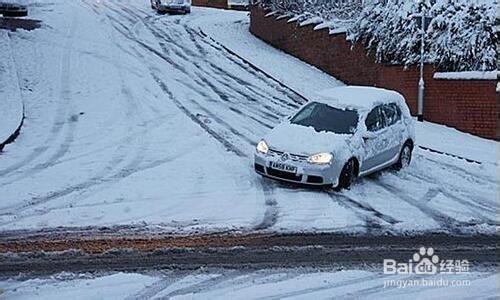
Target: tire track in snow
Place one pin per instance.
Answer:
(160, 33)
(101, 177)
(307, 291)
(252, 88)
(206, 77)
(476, 215)
(373, 291)
(284, 103)
(374, 219)
(477, 207)
(204, 80)
(238, 279)
(152, 290)
(62, 117)
(270, 216)
(482, 204)
(446, 222)
(265, 78)
(228, 145)
(272, 212)
(82, 187)
(65, 90)
(201, 286)
(461, 172)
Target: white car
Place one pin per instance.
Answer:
(171, 6)
(344, 133)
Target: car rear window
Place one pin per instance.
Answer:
(323, 117)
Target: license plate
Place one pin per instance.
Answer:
(283, 167)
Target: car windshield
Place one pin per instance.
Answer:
(323, 117)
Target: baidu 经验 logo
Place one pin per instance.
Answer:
(425, 261)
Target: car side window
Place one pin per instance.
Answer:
(392, 114)
(375, 120)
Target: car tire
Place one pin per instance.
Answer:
(404, 156)
(347, 176)
(187, 11)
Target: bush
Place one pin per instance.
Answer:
(461, 36)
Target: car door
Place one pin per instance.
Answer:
(376, 146)
(395, 130)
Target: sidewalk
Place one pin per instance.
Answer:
(11, 105)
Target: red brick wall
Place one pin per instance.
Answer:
(210, 3)
(468, 105)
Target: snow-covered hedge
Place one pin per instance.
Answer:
(331, 11)
(461, 35)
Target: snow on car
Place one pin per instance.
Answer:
(344, 133)
(171, 6)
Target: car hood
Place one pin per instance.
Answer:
(304, 140)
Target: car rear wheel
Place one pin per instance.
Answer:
(404, 157)
(347, 176)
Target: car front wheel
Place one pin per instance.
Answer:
(347, 176)
(404, 157)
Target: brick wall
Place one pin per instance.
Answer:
(210, 3)
(468, 105)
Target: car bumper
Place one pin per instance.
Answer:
(172, 8)
(308, 174)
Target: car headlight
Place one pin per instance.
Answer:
(320, 158)
(262, 147)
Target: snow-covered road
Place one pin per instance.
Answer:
(302, 283)
(136, 118)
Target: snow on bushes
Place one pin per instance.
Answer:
(460, 37)
(336, 12)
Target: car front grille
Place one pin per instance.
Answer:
(293, 157)
(283, 174)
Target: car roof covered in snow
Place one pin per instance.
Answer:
(358, 97)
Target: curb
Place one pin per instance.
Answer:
(472, 161)
(17, 131)
(14, 135)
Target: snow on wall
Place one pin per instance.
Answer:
(468, 75)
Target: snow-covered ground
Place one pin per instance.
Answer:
(136, 118)
(262, 284)
(11, 105)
